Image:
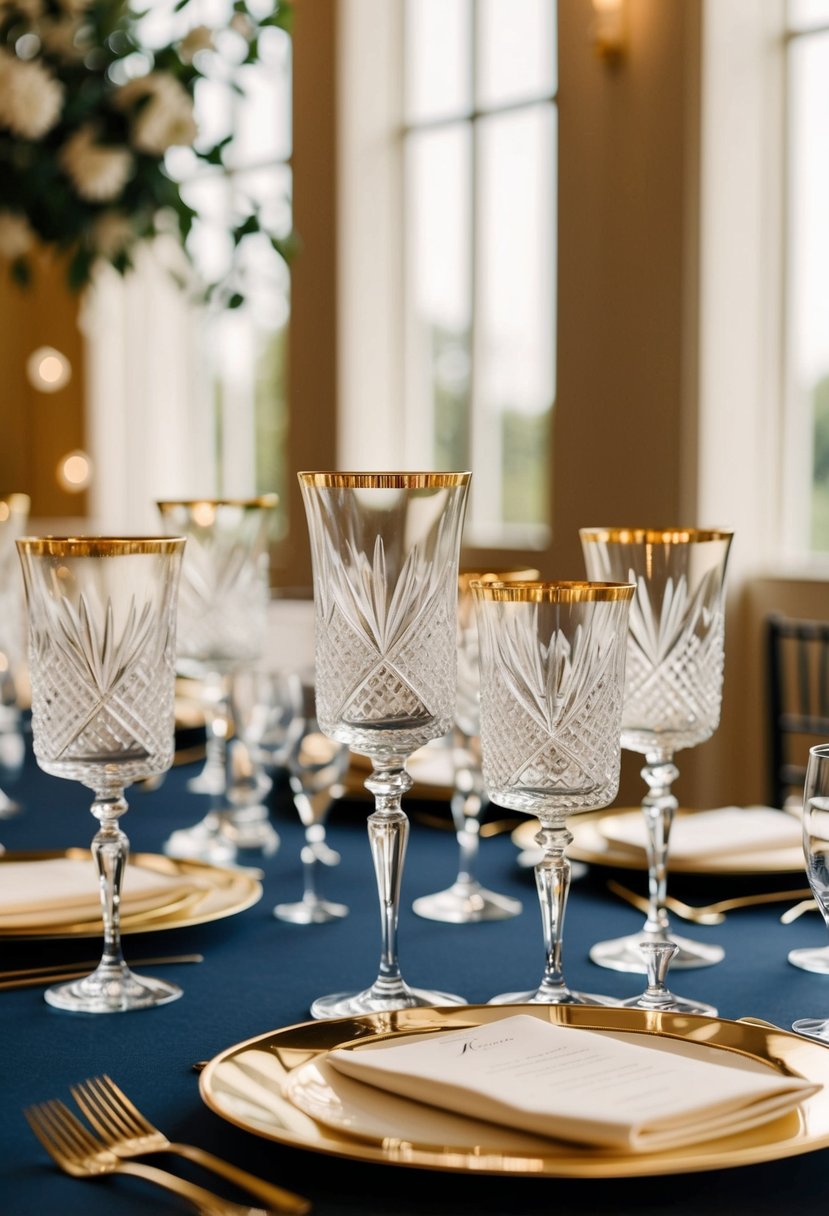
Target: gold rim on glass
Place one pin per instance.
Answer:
(552, 593)
(383, 481)
(263, 500)
(653, 536)
(97, 546)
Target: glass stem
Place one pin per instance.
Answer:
(388, 832)
(110, 850)
(466, 805)
(310, 862)
(552, 879)
(658, 806)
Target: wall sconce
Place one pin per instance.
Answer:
(609, 29)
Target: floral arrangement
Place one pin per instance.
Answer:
(89, 113)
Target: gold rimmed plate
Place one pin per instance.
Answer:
(279, 1086)
(199, 893)
(590, 844)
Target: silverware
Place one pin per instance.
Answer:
(127, 1133)
(707, 914)
(792, 914)
(78, 1153)
(32, 977)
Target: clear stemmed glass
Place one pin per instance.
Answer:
(317, 765)
(222, 618)
(385, 552)
(673, 690)
(552, 684)
(467, 901)
(102, 617)
(816, 853)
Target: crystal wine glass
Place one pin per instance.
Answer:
(657, 956)
(552, 684)
(222, 617)
(467, 901)
(385, 557)
(673, 690)
(317, 766)
(102, 658)
(816, 853)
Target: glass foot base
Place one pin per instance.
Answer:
(310, 912)
(379, 999)
(466, 903)
(203, 842)
(669, 1003)
(811, 958)
(813, 1028)
(543, 996)
(625, 954)
(111, 990)
(211, 780)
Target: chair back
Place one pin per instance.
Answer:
(798, 691)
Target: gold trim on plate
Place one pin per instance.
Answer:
(248, 1085)
(216, 892)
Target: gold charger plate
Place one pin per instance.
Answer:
(215, 892)
(249, 1085)
(591, 846)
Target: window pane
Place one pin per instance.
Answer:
(438, 58)
(808, 339)
(438, 311)
(514, 353)
(805, 14)
(517, 50)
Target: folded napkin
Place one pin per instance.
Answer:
(63, 890)
(576, 1084)
(727, 830)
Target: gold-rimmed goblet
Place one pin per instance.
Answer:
(552, 683)
(222, 617)
(673, 691)
(816, 854)
(102, 615)
(385, 550)
(466, 901)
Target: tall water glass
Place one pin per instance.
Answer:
(385, 552)
(102, 615)
(552, 684)
(816, 854)
(223, 606)
(673, 691)
(467, 901)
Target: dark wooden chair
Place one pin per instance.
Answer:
(798, 692)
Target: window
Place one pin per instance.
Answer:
(806, 353)
(479, 158)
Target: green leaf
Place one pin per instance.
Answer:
(236, 300)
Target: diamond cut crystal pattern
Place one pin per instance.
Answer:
(551, 711)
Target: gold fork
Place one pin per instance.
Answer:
(706, 914)
(128, 1133)
(81, 1155)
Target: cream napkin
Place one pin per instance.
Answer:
(576, 1085)
(63, 890)
(727, 830)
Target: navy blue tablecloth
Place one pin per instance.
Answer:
(260, 974)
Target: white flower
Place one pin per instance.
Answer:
(16, 237)
(112, 233)
(200, 38)
(98, 172)
(31, 98)
(165, 119)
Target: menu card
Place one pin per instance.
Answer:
(576, 1085)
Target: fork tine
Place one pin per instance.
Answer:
(106, 1120)
(72, 1131)
(34, 1119)
(127, 1108)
